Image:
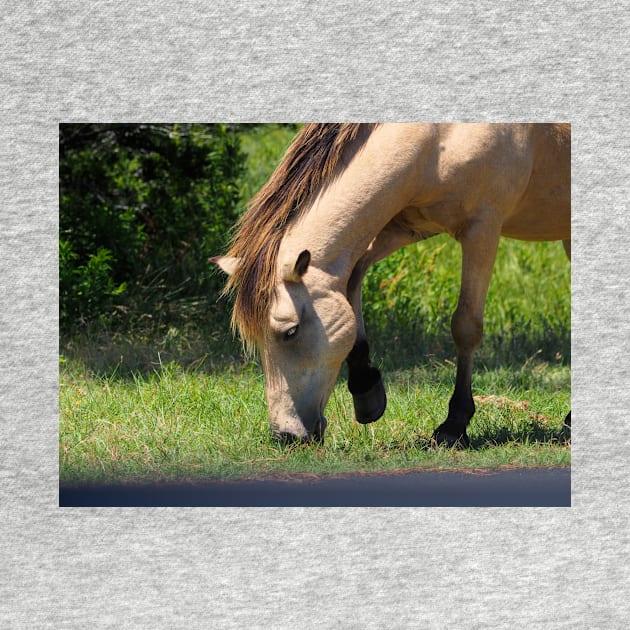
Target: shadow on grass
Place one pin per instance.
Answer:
(534, 433)
(539, 434)
(407, 347)
(499, 436)
(124, 355)
(113, 354)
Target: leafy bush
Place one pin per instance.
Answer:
(88, 288)
(142, 207)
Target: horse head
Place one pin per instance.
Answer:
(311, 329)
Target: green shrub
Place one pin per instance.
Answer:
(87, 289)
(142, 207)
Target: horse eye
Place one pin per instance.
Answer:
(289, 334)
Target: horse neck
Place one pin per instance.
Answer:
(351, 210)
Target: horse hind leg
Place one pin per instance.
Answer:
(479, 247)
(567, 247)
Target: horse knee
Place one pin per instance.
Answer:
(467, 329)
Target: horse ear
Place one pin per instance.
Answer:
(295, 273)
(302, 263)
(228, 264)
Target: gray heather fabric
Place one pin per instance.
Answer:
(285, 568)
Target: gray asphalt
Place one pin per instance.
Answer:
(505, 488)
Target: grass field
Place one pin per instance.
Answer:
(181, 402)
(179, 424)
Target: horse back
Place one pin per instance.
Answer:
(521, 172)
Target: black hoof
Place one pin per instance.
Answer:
(449, 438)
(370, 405)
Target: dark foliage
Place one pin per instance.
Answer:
(142, 207)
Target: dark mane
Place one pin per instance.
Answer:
(307, 164)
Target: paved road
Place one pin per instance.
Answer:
(507, 488)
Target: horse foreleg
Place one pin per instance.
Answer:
(364, 380)
(365, 384)
(479, 247)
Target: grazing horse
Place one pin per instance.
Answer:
(347, 195)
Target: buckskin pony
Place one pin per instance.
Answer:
(347, 195)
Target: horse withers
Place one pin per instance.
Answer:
(347, 195)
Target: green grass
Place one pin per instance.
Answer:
(264, 146)
(178, 424)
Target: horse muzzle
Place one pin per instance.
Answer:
(287, 437)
